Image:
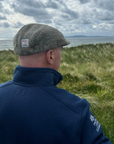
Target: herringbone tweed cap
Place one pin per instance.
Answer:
(36, 38)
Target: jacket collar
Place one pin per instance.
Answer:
(36, 76)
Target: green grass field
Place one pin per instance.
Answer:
(88, 72)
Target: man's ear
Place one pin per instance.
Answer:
(50, 56)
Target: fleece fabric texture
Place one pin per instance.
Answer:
(34, 111)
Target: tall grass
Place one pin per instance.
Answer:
(8, 62)
(88, 72)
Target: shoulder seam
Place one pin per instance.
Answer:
(60, 101)
(6, 84)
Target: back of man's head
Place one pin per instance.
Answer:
(38, 45)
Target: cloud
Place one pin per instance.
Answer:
(2, 17)
(4, 9)
(48, 21)
(71, 13)
(14, 25)
(86, 21)
(103, 15)
(42, 12)
(1, 6)
(69, 16)
(105, 4)
(57, 21)
(52, 4)
(33, 3)
(106, 16)
(102, 27)
(112, 22)
(33, 8)
(69, 28)
(63, 10)
(28, 6)
(84, 1)
(66, 10)
(5, 24)
(17, 25)
(65, 17)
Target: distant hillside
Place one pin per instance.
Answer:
(86, 36)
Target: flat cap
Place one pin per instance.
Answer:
(36, 38)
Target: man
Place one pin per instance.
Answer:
(32, 109)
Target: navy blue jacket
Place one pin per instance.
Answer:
(34, 111)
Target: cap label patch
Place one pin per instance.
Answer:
(25, 42)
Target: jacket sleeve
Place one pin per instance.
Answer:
(91, 130)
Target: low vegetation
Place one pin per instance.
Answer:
(88, 72)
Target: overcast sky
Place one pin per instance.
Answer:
(71, 17)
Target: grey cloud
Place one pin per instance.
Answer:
(61, 2)
(17, 25)
(86, 21)
(4, 10)
(84, 1)
(105, 4)
(1, 6)
(55, 4)
(14, 6)
(111, 22)
(38, 10)
(65, 16)
(58, 22)
(2, 17)
(31, 9)
(107, 17)
(63, 8)
(103, 15)
(47, 21)
(33, 3)
(52, 4)
(66, 28)
(27, 3)
(66, 10)
(6, 24)
(32, 12)
(72, 13)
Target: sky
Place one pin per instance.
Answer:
(71, 17)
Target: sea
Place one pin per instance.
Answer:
(7, 43)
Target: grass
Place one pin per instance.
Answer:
(8, 62)
(88, 71)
